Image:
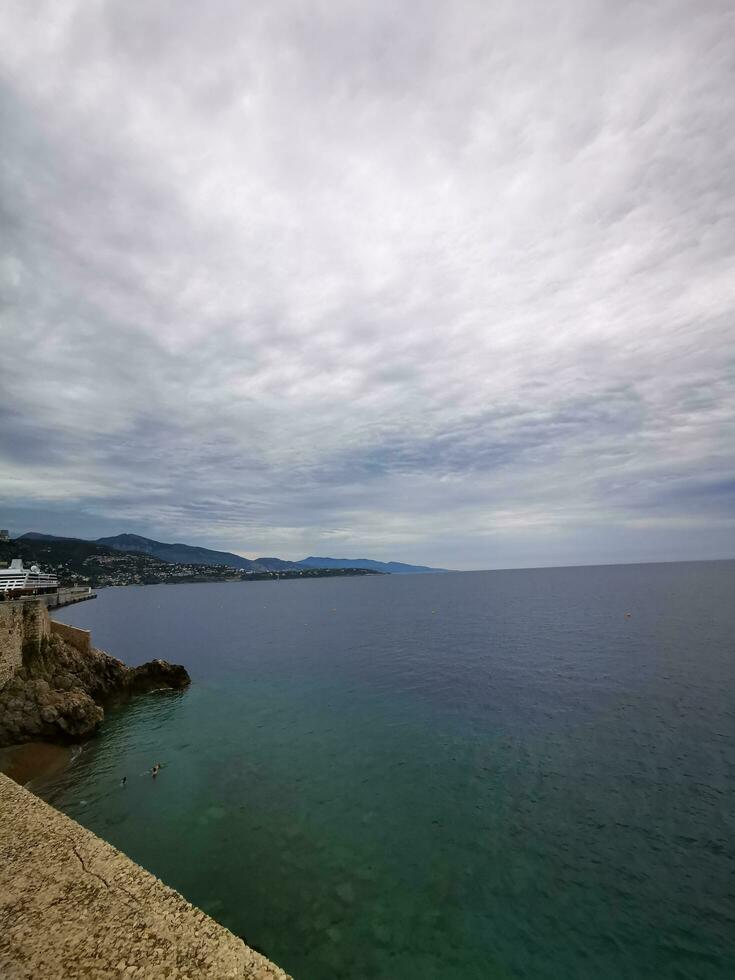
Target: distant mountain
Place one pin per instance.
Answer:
(390, 567)
(90, 563)
(186, 553)
(43, 548)
(192, 555)
(277, 564)
(37, 536)
(79, 562)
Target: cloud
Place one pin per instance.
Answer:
(451, 285)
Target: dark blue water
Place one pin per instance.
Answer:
(478, 775)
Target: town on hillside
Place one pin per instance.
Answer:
(73, 563)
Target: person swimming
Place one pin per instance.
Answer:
(156, 769)
(123, 780)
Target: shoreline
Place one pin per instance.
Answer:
(54, 683)
(76, 906)
(31, 761)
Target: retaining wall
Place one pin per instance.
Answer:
(11, 640)
(81, 640)
(22, 627)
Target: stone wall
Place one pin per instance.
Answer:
(74, 906)
(22, 627)
(81, 640)
(36, 626)
(11, 640)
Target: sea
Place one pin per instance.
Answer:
(490, 775)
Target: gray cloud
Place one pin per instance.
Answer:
(453, 286)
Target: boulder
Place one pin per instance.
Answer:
(156, 674)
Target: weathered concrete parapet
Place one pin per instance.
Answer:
(81, 640)
(73, 906)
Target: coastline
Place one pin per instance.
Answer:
(76, 906)
(30, 761)
(54, 683)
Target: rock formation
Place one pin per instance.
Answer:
(58, 692)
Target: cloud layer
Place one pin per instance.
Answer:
(439, 282)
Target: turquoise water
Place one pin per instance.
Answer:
(479, 775)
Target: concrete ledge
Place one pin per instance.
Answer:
(73, 906)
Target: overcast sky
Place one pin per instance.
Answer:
(442, 282)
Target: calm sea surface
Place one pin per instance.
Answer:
(479, 775)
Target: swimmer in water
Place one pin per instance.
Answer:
(155, 769)
(123, 780)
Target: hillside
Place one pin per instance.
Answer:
(277, 564)
(176, 552)
(193, 555)
(78, 562)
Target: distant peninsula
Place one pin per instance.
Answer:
(131, 559)
(386, 567)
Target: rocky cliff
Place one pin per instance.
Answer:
(57, 690)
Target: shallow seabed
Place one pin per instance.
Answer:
(478, 775)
